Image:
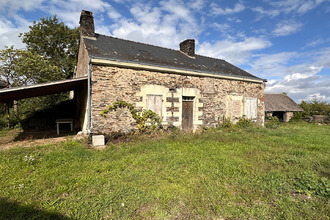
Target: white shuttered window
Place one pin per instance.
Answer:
(155, 103)
(250, 108)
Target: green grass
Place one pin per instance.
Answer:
(235, 174)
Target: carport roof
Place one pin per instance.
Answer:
(41, 89)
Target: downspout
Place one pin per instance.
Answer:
(89, 99)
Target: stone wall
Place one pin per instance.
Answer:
(214, 98)
(287, 116)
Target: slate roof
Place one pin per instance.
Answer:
(280, 103)
(115, 49)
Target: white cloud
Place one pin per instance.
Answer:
(217, 10)
(9, 32)
(69, 11)
(235, 52)
(301, 81)
(299, 6)
(285, 28)
(166, 25)
(316, 42)
(11, 6)
(302, 88)
(271, 64)
(323, 58)
(197, 4)
(286, 7)
(272, 12)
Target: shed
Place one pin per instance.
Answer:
(281, 106)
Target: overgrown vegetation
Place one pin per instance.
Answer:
(273, 123)
(146, 120)
(254, 173)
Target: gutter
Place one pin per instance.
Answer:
(89, 98)
(170, 70)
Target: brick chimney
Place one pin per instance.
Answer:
(87, 24)
(188, 47)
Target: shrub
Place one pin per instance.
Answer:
(226, 123)
(273, 123)
(147, 120)
(245, 123)
(297, 116)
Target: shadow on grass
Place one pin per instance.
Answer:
(14, 210)
(41, 134)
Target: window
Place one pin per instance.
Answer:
(188, 98)
(250, 108)
(155, 103)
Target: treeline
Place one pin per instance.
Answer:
(315, 107)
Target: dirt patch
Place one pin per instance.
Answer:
(19, 138)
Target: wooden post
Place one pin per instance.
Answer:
(16, 108)
(8, 115)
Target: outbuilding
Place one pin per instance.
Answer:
(281, 106)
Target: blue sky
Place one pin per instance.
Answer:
(286, 42)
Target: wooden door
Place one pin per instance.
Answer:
(187, 115)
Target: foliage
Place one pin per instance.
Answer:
(315, 107)
(297, 116)
(273, 123)
(243, 122)
(21, 67)
(310, 183)
(247, 174)
(225, 123)
(55, 42)
(51, 55)
(147, 120)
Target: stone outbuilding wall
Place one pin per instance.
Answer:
(212, 99)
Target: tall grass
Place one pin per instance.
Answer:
(254, 173)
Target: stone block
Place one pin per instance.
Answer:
(98, 140)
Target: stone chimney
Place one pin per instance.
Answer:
(87, 24)
(188, 47)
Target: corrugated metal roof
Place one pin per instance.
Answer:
(110, 48)
(280, 103)
(41, 89)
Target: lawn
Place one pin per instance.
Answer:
(254, 173)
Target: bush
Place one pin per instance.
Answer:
(245, 123)
(226, 123)
(297, 116)
(273, 123)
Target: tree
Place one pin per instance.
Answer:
(315, 107)
(21, 67)
(55, 42)
(7, 60)
(51, 55)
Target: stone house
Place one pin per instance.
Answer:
(281, 106)
(186, 90)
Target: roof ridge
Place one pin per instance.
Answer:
(146, 44)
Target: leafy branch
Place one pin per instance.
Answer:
(146, 120)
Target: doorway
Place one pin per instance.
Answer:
(187, 112)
